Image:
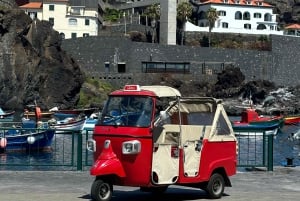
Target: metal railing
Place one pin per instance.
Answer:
(68, 152)
(255, 149)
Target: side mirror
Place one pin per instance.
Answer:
(163, 115)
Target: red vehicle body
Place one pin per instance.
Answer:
(161, 139)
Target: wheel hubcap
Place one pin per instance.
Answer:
(104, 191)
(217, 187)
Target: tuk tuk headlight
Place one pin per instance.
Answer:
(91, 145)
(131, 147)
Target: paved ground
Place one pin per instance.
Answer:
(281, 184)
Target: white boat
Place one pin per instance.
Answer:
(69, 124)
(295, 137)
(90, 122)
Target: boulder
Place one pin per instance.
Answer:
(34, 68)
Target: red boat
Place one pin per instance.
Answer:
(251, 120)
(292, 120)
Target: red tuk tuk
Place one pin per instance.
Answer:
(151, 137)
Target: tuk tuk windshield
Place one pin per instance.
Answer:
(133, 111)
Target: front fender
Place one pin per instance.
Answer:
(106, 167)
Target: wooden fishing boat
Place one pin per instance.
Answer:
(62, 114)
(68, 124)
(26, 137)
(6, 115)
(252, 121)
(292, 119)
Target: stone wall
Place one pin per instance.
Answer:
(8, 3)
(279, 65)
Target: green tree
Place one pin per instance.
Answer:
(153, 13)
(111, 15)
(211, 16)
(184, 11)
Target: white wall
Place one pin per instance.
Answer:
(62, 23)
(237, 26)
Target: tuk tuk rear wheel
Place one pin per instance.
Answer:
(101, 190)
(215, 186)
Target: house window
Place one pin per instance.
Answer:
(51, 7)
(73, 35)
(33, 15)
(87, 22)
(268, 17)
(237, 2)
(248, 2)
(238, 15)
(222, 13)
(51, 20)
(259, 3)
(246, 16)
(201, 15)
(261, 27)
(225, 25)
(247, 26)
(257, 15)
(86, 35)
(75, 11)
(62, 36)
(72, 21)
(225, 1)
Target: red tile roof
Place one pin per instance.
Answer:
(32, 5)
(56, 0)
(233, 2)
(292, 26)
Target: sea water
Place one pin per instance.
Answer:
(284, 149)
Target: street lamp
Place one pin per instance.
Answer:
(153, 26)
(124, 15)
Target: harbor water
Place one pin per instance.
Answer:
(284, 150)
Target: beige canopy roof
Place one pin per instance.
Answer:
(162, 91)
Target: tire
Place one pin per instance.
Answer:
(215, 186)
(101, 190)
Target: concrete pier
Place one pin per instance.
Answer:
(281, 184)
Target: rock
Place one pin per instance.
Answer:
(34, 67)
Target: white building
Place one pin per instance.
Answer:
(69, 21)
(236, 16)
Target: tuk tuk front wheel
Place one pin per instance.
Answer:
(101, 190)
(215, 186)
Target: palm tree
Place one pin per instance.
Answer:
(184, 11)
(153, 12)
(212, 16)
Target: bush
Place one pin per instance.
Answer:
(137, 36)
(93, 93)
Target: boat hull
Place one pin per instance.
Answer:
(68, 126)
(291, 120)
(26, 140)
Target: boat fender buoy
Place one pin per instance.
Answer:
(31, 140)
(3, 142)
(38, 113)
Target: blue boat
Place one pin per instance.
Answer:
(27, 137)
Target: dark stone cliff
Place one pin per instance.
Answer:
(33, 67)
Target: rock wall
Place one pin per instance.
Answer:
(33, 67)
(279, 65)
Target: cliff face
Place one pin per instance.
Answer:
(33, 66)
